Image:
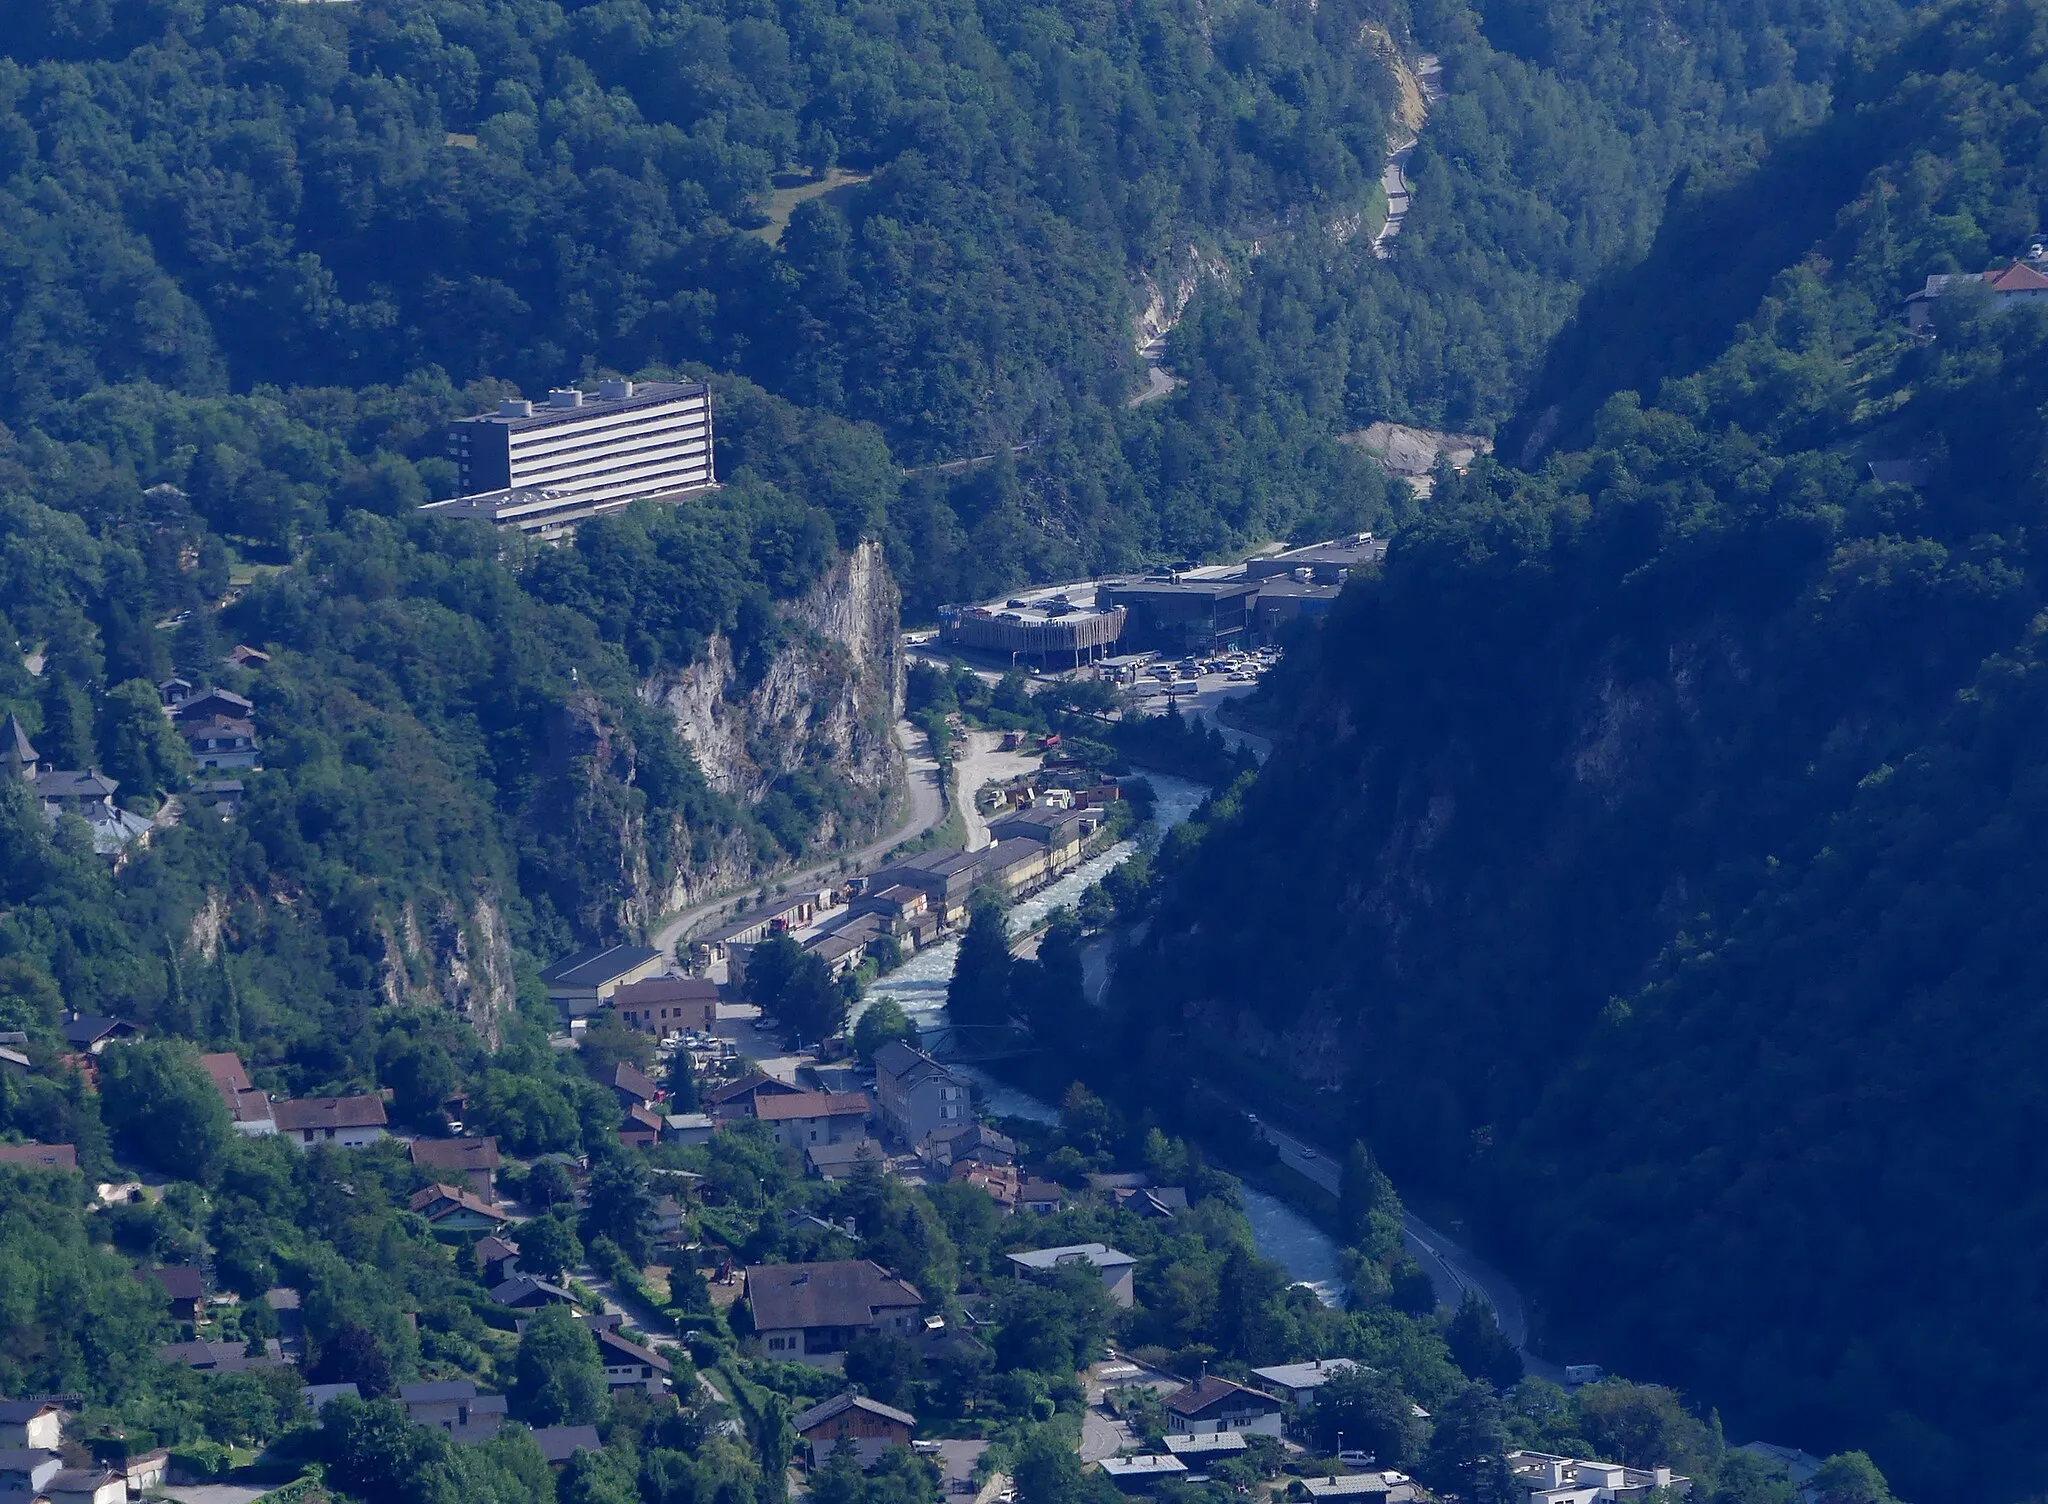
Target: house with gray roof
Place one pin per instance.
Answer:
(806, 1309)
(1114, 1266)
(916, 1096)
(455, 1406)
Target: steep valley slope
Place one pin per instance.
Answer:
(1653, 853)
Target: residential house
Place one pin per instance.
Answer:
(12, 1059)
(999, 1181)
(457, 1210)
(142, 1471)
(317, 1396)
(840, 1160)
(671, 1217)
(1553, 1479)
(219, 741)
(641, 1128)
(214, 702)
(633, 1087)
(579, 985)
(90, 796)
(559, 1443)
(172, 690)
(183, 1286)
(455, 1406)
(967, 1143)
(221, 1357)
(867, 1425)
(916, 1096)
(1205, 1451)
(249, 1108)
(91, 1033)
(497, 1258)
(470, 1162)
(40, 1156)
(86, 1485)
(1143, 1473)
(1297, 1383)
(1040, 1196)
(802, 1309)
(344, 1122)
(687, 1128)
(289, 1307)
(526, 1292)
(1365, 1488)
(1216, 1404)
(668, 1005)
(736, 1099)
(71, 792)
(34, 1424)
(1115, 1268)
(2020, 284)
(1159, 1202)
(26, 1471)
(223, 796)
(244, 656)
(627, 1365)
(814, 1117)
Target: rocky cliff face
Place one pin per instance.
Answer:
(827, 699)
(456, 959)
(823, 703)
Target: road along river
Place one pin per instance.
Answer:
(919, 988)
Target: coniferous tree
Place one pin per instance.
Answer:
(979, 991)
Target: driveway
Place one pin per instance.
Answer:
(1103, 1435)
(979, 764)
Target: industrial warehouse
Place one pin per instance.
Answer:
(1185, 611)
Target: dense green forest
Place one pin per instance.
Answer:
(1655, 844)
(216, 198)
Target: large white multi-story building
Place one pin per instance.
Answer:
(542, 467)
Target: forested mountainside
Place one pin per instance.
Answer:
(465, 750)
(1653, 854)
(215, 197)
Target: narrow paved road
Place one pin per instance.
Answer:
(927, 808)
(1158, 382)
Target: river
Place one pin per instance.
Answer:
(919, 988)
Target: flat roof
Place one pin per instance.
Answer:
(1209, 589)
(1100, 1255)
(1282, 585)
(1160, 1465)
(1215, 1443)
(1306, 1375)
(644, 394)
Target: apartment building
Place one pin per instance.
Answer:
(543, 467)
